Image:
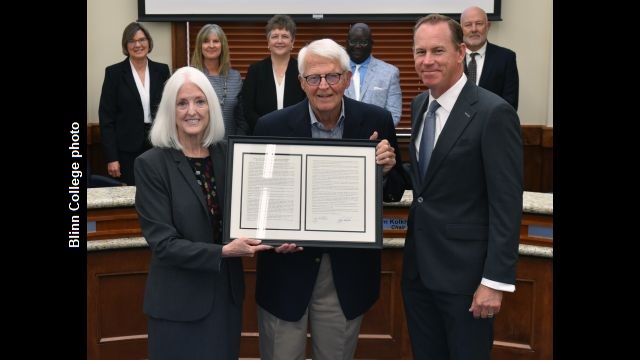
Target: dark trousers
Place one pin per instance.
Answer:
(441, 326)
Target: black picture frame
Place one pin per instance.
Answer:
(311, 192)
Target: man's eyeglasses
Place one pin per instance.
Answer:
(315, 79)
(134, 41)
(358, 42)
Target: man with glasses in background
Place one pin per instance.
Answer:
(374, 81)
(328, 288)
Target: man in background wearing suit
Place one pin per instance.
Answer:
(461, 248)
(329, 288)
(496, 66)
(379, 81)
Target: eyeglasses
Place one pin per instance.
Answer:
(184, 104)
(315, 79)
(358, 42)
(134, 41)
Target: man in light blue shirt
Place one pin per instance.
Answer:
(374, 81)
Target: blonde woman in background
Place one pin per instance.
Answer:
(211, 56)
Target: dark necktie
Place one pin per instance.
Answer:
(473, 67)
(428, 138)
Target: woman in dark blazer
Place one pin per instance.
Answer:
(272, 83)
(195, 287)
(130, 95)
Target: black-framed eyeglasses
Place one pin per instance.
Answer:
(358, 42)
(315, 79)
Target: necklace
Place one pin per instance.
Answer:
(224, 86)
(224, 91)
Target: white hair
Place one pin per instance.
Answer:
(325, 48)
(164, 133)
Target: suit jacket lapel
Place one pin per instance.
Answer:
(290, 82)
(350, 91)
(127, 74)
(271, 96)
(371, 70)
(420, 106)
(300, 126)
(487, 67)
(353, 121)
(154, 81)
(187, 173)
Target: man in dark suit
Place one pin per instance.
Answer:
(496, 66)
(329, 288)
(464, 224)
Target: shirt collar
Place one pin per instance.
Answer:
(481, 51)
(448, 99)
(315, 122)
(363, 64)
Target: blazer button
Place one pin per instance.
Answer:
(420, 200)
(317, 259)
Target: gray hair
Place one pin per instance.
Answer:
(284, 22)
(164, 133)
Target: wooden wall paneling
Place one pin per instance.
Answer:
(381, 333)
(531, 140)
(535, 220)
(392, 43)
(524, 326)
(249, 347)
(546, 173)
(95, 159)
(116, 325)
(178, 45)
(113, 223)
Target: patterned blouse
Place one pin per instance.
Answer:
(228, 90)
(203, 169)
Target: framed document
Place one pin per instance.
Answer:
(312, 192)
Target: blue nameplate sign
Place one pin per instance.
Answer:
(394, 224)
